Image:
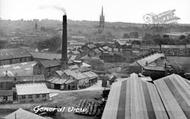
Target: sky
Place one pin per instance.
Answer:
(114, 10)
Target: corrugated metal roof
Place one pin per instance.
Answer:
(23, 114)
(175, 94)
(133, 98)
(56, 80)
(90, 74)
(75, 74)
(31, 88)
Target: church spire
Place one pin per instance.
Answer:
(102, 11)
(102, 21)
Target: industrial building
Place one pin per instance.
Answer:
(16, 55)
(32, 92)
(165, 98)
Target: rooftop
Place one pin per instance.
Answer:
(154, 68)
(75, 74)
(166, 98)
(90, 74)
(23, 114)
(56, 80)
(13, 53)
(33, 78)
(46, 56)
(50, 63)
(31, 88)
(149, 59)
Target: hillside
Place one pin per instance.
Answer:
(88, 29)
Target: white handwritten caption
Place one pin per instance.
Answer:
(60, 109)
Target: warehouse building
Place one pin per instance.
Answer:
(32, 92)
(16, 55)
(165, 98)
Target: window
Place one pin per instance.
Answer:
(29, 96)
(37, 96)
(23, 97)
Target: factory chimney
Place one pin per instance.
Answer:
(64, 43)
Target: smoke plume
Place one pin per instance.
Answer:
(55, 8)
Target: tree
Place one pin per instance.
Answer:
(2, 44)
(52, 44)
(147, 38)
(166, 40)
(188, 38)
(125, 35)
(158, 40)
(133, 34)
(182, 37)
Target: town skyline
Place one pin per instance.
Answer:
(114, 11)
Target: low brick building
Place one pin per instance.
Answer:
(62, 84)
(46, 67)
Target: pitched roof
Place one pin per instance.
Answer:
(69, 81)
(134, 98)
(73, 67)
(85, 65)
(33, 78)
(50, 63)
(167, 98)
(153, 68)
(90, 74)
(175, 94)
(46, 56)
(75, 74)
(56, 80)
(13, 53)
(59, 72)
(149, 59)
(23, 114)
(31, 88)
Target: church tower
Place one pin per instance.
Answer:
(102, 21)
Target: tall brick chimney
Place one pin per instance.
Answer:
(64, 59)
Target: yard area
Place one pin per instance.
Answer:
(63, 99)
